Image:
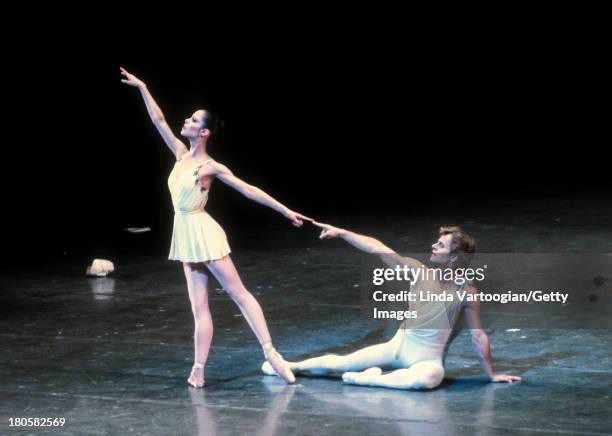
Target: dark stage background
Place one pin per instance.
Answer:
(335, 127)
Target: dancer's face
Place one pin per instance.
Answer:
(441, 250)
(193, 127)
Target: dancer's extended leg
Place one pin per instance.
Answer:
(375, 355)
(225, 272)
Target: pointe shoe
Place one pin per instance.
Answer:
(192, 379)
(277, 363)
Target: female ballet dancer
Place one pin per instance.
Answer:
(198, 241)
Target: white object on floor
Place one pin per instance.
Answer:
(100, 268)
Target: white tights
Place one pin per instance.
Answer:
(418, 366)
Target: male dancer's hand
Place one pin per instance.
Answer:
(328, 231)
(130, 79)
(503, 378)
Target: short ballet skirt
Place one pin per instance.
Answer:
(197, 237)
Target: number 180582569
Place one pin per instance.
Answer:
(37, 422)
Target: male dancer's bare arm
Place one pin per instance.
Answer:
(480, 342)
(367, 244)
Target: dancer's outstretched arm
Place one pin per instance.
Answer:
(367, 244)
(224, 174)
(157, 116)
(480, 341)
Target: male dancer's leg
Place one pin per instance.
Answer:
(375, 355)
(426, 374)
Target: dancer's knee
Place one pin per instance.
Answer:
(239, 294)
(427, 375)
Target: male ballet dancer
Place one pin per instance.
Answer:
(416, 352)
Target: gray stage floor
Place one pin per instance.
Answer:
(111, 355)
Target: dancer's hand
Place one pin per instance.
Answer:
(130, 79)
(328, 231)
(503, 378)
(297, 219)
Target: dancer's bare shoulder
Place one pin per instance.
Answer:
(223, 173)
(217, 169)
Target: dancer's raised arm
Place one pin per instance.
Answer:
(157, 116)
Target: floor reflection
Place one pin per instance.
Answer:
(209, 422)
(102, 288)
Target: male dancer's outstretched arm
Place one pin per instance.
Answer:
(367, 244)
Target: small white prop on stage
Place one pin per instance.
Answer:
(100, 268)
